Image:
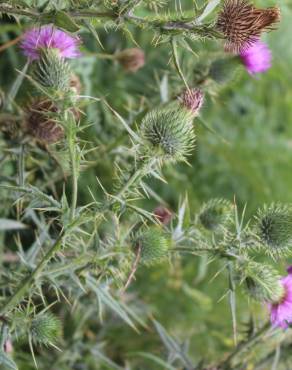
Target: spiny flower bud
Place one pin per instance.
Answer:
(163, 215)
(223, 70)
(168, 132)
(52, 71)
(263, 282)
(242, 23)
(193, 100)
(131, 59)
(273, 228)
(40, 121)
(215, 214)
(153, 246)
(45, 328)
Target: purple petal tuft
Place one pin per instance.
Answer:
(46, 37)
(256, 58)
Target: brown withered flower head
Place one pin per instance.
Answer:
(242, 24)
(131, 59)
(40, 122)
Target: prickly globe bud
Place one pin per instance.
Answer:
(45, 328)
(273, 229)
(168, 132)
(262, 282)
(153, 245)
(215, 214)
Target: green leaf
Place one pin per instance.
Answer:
(6, 224)
(104, 297)
(61, 20)
(157, 360)
(6, 362)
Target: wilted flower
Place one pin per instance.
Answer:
(193, 100)
(41, 123)
(281, 312)
(256, 58)
(131, 59)
(48, 37)
(242, 23)
(163, 215)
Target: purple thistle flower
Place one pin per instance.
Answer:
(281, 312)
(256, 58)
(46, 37)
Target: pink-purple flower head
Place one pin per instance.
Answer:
(48, 37)
(281, 312)
(256, 57)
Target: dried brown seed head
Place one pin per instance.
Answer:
(131, 59)
(242, 23)
(40, 121)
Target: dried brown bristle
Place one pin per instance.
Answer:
(242, 23)
(41, 123)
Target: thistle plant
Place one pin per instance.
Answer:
(95, 164)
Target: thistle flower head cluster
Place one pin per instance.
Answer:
(242, 24)
(215, 214)
(45, 329)
(273, 229)
(48, 47)
(152, 244)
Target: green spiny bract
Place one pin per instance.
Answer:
(168, 132)
(45, 328)
(273, 229)
(262, 282)
(52, 71)
(215, 214)
(153, 246)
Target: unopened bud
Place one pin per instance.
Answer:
(163, 215)
(193, 100)
(131, 59)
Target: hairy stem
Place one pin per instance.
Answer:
(74, 161)
(241, 347)
(25, 285)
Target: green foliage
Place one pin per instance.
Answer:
(80, 243)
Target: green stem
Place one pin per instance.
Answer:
(24, 286)
(74, 161)
(243, 346)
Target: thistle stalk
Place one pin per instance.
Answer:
(26, 284)
(74, 160)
